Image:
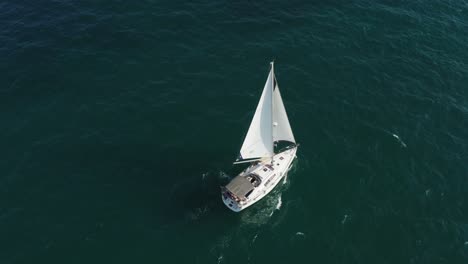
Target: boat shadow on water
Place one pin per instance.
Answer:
(160, 184)
(163, 184)
(193, 190)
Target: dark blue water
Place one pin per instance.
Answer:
(120, 120)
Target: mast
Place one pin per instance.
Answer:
(273, 83)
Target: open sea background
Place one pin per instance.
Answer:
(119, 120)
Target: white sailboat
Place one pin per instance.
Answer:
(269, 126)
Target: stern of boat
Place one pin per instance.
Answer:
(230, 201)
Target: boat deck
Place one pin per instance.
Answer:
(266, 168)
(239, 194)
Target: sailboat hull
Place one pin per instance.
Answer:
(259, 179)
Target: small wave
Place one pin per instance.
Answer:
(345, 218)
(428, 192)
(300, 233)
(403, 144)
(254, 238)
(197, 213)
(218, 248)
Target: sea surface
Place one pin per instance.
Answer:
(120, 120)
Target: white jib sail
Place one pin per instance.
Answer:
(281, 127)
(258, 142)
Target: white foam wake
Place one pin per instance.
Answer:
(285, 178)
(278, 205)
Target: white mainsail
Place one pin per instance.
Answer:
(259, 140)
(269, 124)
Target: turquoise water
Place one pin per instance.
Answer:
(120, 120)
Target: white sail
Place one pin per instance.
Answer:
(259, 140)
(281, 127)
